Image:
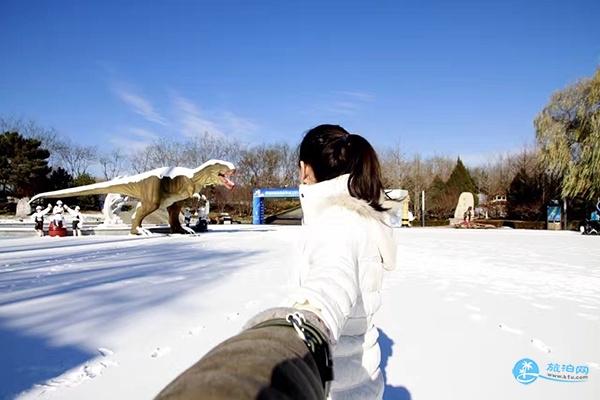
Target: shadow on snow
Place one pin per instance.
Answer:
(390, 392)
(27, 360)
(110, 284)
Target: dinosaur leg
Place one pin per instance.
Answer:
(142, 210)
(174, 210)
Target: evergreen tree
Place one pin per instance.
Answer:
(525, 196)
(59, 179)
(460, 181)
(437, 187)
(23, 165)
(438, 204)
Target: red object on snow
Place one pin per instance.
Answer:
(54, 230)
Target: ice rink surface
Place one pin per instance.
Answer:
(119, 317)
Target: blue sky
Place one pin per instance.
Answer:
(460, 77)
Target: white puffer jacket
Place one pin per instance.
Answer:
(346, 246)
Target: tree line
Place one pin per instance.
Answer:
(563, 164)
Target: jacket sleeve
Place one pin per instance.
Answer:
(268, 363)
(329, 277)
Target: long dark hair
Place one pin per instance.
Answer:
(332, 151)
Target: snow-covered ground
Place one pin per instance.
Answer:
(119, 317)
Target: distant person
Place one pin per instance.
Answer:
(38, 218)
(77, 219)
(467, 215)
(187, 216)
(285, 353)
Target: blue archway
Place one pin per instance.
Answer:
(259, 196)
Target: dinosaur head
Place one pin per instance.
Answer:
(226, 181)
(214, 172)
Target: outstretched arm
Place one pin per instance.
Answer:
(282, 354)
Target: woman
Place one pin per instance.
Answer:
(347, 245)
(286, 352)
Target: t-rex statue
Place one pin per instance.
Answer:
(165, 187)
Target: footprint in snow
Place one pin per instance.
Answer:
(160, 352)
(93, 370)
(105, 352)
(232, 316)
(76, 376)
(538, 344)
(508, 329)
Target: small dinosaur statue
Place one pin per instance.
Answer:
(165, 187)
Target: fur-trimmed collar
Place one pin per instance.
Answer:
(318, 197)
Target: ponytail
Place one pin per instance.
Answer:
(332, 151)
(365, 173)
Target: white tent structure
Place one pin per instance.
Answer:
(397, 200)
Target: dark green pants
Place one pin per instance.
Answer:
(261, 363)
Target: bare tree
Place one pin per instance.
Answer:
(113, 163)
(482, 180)
(192, 153)
(75, 158)
(441, 166)
(205, 147)
(289, 165)
(162, 153)
(495, 177)
(393, 167)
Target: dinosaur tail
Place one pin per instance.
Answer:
(95, 188)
